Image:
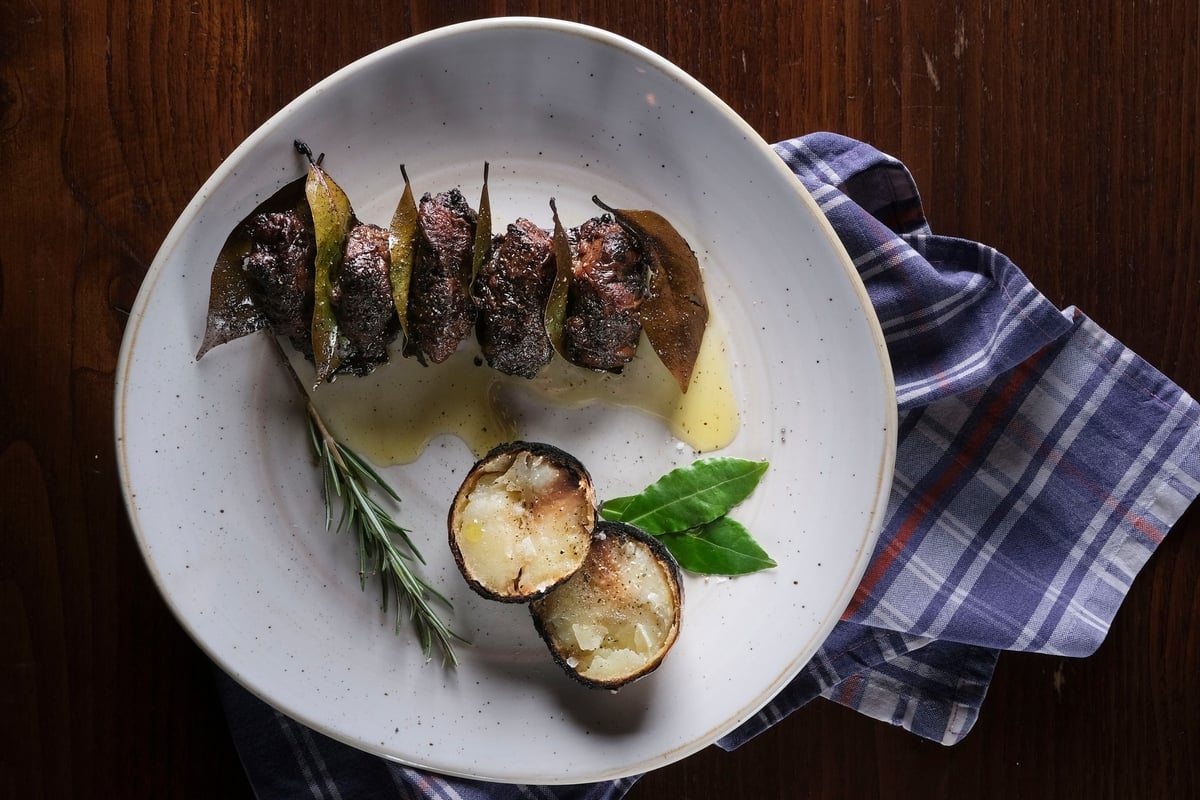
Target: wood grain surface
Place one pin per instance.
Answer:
(1063, 134)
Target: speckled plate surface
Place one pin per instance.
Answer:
(225, 500)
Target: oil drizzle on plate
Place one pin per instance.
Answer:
(391, 415)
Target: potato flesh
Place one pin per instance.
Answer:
(525, 528)
(616, 615)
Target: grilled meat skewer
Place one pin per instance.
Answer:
(502, 294)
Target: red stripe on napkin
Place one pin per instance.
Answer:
(930, 500)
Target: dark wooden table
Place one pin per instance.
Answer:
(1063, 134)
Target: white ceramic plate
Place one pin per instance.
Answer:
(224, 497)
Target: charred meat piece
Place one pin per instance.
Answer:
(512, 289)
(362, 299)
(280, 265)
(441, 311)
(608, 283)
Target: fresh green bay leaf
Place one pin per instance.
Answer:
(687, 509)
(722, 547)
(690, 496)
(613, 510)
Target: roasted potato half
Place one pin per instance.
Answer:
(521, 523)
(616, 618)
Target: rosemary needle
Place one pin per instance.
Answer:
(384, 546)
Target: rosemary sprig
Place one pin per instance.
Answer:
(348, 477)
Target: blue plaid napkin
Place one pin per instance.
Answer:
(1040, 463)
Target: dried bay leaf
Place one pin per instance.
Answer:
(332, 219)
(483, 229)
(232, 311)
(556, 303)
(403, 233)
(675, 311)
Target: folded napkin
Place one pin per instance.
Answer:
(1039, 464)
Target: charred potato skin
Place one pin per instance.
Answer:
(576, 472)
(616, 532)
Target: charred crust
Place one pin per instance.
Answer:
(362, 299)
(556, 455)
(441, 309)
(279, 264)
(607, 287)
(511, 292)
